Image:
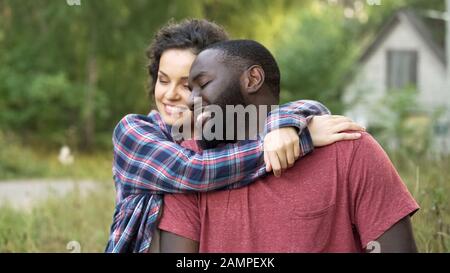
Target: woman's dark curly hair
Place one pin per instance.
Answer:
(193, 34)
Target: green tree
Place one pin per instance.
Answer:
(315, 52)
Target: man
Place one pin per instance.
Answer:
(345, 197)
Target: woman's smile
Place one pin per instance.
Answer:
(174, 110)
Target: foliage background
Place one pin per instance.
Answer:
(69, 73)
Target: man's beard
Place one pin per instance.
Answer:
(231, 96)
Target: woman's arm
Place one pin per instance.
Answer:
(147, 160)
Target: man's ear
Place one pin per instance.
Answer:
(254, 79)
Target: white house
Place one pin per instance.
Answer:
(408, 51)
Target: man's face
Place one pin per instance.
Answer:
(216, 83)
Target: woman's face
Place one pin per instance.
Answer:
(171, 88)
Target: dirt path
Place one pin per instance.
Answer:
(23, 194)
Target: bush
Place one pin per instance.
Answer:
(18, 161)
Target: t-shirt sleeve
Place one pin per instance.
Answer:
(379, 197)
(181, 215)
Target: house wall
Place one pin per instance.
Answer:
(369, 86)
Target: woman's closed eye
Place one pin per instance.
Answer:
(163, 81)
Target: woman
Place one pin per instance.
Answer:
(149, 163)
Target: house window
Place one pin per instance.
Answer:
(441, 128)
(401, 69)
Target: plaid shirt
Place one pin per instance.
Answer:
(149, 163)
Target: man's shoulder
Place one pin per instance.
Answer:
(339, 156)
(366, 141)
(365, 146)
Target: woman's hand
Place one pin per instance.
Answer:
(281, 149)
(328, 129)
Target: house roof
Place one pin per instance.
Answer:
(431, 30)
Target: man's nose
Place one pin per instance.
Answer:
(194, 98)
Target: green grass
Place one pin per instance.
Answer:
(51, 225)
(428, 179)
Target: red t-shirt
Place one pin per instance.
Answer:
(336, 199)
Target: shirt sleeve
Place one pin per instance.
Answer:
(379, 197)
(296, 114)
(147, 160)
(181, 215)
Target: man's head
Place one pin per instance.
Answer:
(235, 72)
